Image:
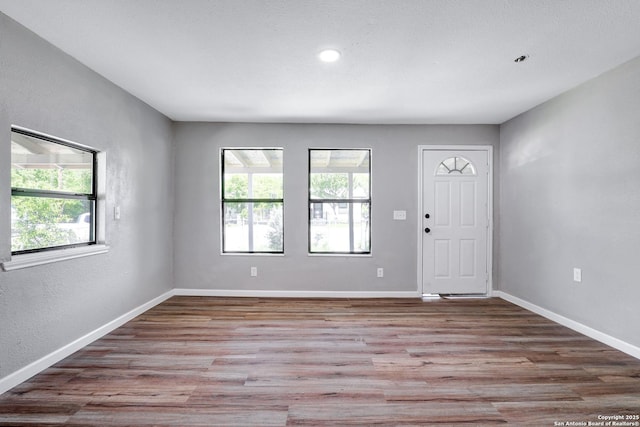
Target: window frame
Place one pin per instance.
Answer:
(456, 171)
(248, 200)
(349, 201)
(92, 197)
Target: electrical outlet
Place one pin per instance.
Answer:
(380, 272)
(116, 213)
(254, 271)
(577, 275)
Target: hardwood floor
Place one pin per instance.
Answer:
(197, 361)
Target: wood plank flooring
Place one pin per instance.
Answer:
(197, 361)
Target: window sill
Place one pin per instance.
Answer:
(329, 254)
(252, 254)
(31, 260)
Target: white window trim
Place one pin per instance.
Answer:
(27, 260)
(18, 262)
(340, 254)
(222, 201)
(369, 200)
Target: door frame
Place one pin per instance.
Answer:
(420, 231)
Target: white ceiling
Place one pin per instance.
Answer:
(404, 61)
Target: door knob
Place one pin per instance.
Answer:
(427, 230)
(427, 216)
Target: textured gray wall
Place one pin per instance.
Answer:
(44, 308)
(198, 262)
(570, 197)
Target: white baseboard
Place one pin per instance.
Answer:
(43, 363)
(572, 324)
(291, 294)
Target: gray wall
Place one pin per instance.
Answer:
(570, 197)
(198, 262)
(44, 308)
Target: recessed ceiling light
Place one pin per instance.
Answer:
(521, 58)
(329, 55)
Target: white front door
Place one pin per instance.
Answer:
(455, 221)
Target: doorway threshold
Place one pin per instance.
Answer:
(464, 296)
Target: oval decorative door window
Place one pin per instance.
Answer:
(456, 166)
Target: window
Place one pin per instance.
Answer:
(456, 166)
(252, 200)
(53, 193)
(339, 201)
